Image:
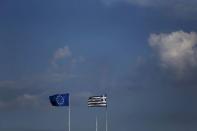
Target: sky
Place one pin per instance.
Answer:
(141, 53)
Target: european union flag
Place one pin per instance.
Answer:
(59, 99)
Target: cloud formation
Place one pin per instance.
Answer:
(136, 2)
(176, 50)
(23, 93)
(175, 3)
(65, 53)
(177, 8)
(61, 53)
(24, 100)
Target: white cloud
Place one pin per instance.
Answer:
(177, 8)
(25, 100)
(135, 2)
(172, 3)
(176, 50)
(61, 53)
(65, 53)
(63, 65)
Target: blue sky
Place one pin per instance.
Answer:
(142, 53)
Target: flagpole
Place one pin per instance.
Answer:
(96, 124)
(106, 120)
(69, 115)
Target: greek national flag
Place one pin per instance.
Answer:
(97, 101)
(59, 99)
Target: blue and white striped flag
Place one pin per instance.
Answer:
(97, 101)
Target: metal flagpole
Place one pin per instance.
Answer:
(69, 115)
(96, 124)
(106, 121)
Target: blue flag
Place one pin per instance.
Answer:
(59, 99)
